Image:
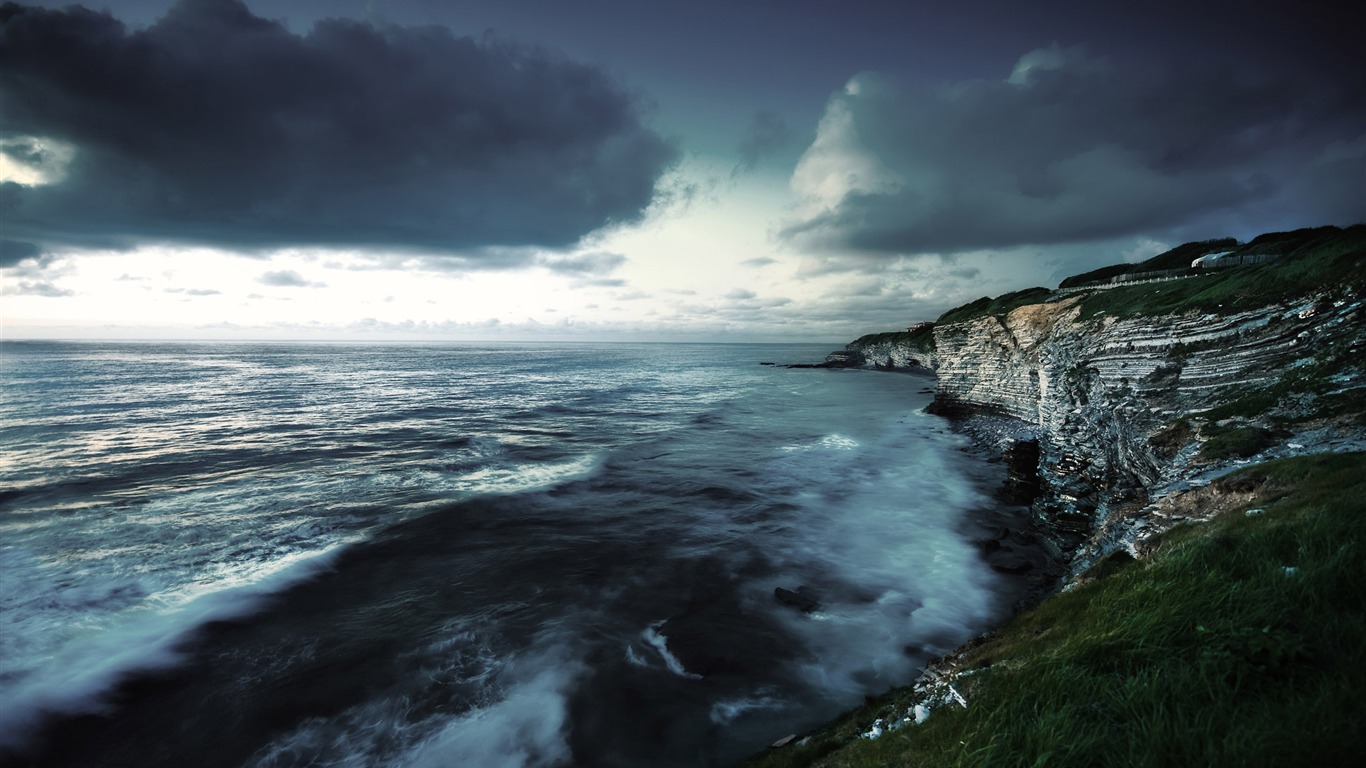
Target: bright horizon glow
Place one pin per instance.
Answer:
(878, 169)
(681, 277)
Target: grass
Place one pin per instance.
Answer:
(1241, 442)
(1101, 275)
(1314, 261)
(1241, 641)
(921, 338)
(1179, 257)
(1000, 305)
(1333, 261)
(1320, 382)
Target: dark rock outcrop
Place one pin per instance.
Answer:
(1022, 485)
(803, 599)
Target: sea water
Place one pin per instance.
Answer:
(464, 554)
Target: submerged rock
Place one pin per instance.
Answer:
(803, 599)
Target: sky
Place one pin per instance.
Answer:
(640, 170)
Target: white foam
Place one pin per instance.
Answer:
(726, 711)
(78, 676)
(525, 729)
(634, 658)
(498, 708)
(829, 443)
(660, 643)
(90, 598)
(878, 535)
(525, 478)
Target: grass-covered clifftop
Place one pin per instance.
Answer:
(921, 338)
(1311, 261)
(1000, 305)
(1314, 276)
(1305, 261)
(1238, 641)
(1179, 257)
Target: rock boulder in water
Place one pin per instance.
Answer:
(803, 599)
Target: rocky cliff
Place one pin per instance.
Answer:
(1123, 408)
(911, 349)
(1130, 392)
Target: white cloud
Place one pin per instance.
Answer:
(287, 278)
(32, 161)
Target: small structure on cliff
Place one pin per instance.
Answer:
(1233, 259)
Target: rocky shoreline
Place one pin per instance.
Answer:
(1116, 426)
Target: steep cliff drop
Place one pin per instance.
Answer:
(1137, 388)
(1218, 384)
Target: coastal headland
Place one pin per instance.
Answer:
(1190, 435)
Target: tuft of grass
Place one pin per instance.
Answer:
(1241, 641)
(1241, 443)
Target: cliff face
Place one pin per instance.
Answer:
(911, 349)
(1126, 407)
(1123, 406)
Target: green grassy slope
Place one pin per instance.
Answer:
(1334, 260)
(922, 338)
(1241, 641)
(1000, 305)
(1311, 261)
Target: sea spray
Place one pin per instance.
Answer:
(590, 533)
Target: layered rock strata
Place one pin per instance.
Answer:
(1120, 406)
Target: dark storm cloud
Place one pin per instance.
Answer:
(215, 126)
(14, 251)
(766, 133)
(1071, 148)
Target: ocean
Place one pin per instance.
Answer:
(259, 554)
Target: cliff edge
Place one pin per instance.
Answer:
(1135, 388)
(1191, 432)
